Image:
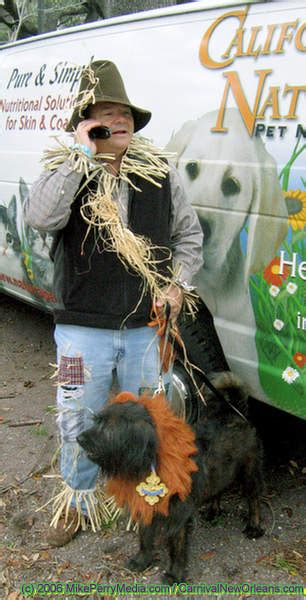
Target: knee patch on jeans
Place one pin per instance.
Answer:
(71, 411)
(71, 370)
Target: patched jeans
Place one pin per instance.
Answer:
(87, 358)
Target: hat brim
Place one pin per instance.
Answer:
(140, 115)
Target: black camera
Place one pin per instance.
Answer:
(100, 133)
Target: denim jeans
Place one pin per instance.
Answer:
(87, 358)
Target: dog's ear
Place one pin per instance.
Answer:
(268, 219)
(180, 140)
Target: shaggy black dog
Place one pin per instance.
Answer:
(124, 444)
(231, 448)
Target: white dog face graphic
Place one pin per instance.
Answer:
(231, 180)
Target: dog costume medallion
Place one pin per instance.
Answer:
(152, 489)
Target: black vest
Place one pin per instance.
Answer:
(92, 286)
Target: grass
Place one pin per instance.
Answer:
(277, 302)
(40, 430)
(50, 409)
(284, 564)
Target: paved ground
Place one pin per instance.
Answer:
(220, 552)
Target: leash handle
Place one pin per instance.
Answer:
(167, 312)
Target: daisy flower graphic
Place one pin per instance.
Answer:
(278, 324)
(291, 287)
(274, 291)
(290, 375)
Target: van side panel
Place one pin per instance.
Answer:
(227, 91)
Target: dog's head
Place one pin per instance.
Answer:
(232, 181)
(122, 441)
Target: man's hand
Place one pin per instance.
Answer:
(174, 295)
(82, 133)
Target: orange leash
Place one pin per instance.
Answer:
(168, 333)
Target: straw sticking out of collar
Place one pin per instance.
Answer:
(100, 212)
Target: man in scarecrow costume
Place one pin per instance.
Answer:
(125, 240)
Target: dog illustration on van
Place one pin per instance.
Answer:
(24, 252)
(233, 183)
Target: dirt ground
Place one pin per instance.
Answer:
(220, 552)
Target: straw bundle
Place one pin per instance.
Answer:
(101, 212)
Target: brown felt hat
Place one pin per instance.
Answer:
(109, 88)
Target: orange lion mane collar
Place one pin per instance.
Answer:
(174, 462)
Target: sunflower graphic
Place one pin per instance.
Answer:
(296, 204)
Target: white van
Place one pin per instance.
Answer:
(226, 85)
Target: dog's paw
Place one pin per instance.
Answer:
(253, 531)
(139, 563)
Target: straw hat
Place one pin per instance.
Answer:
(109, 88)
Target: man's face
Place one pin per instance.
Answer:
(120, 121)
